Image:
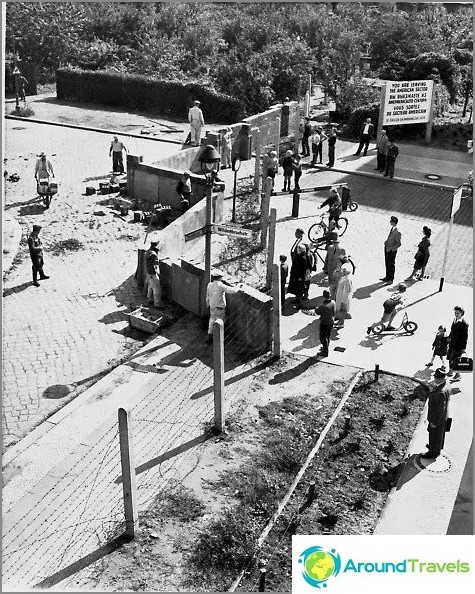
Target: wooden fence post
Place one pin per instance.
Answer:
(271, 247)
(129, 487)
(265, 206)
(218, 369)
(276, 312)
(256, 135)
(295, 203)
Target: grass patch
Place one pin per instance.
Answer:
(65, 245)
(182, 505)
(23, 112)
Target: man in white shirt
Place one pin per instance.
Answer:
(216, 299)
(43, 168)
(195, 117)
(115, 150)
(365, 136)
(315, 142)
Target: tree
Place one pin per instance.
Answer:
(432, 65)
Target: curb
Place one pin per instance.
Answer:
(91, 129)
(12, 234)
(404, 180)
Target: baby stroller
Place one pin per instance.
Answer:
(46, 190)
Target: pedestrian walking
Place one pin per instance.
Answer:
(391, 155)
(43, 168)
(323, 137)
(183, 189)
(307, 132)
(152, 264)
(115, 150)
(284, 273)
(227, 148)
(297, 172)
(366, 135)
(216, 292)
(391, 246)
(458, 338)
(344, 291)
(333, 256)
(439, 347)
(196, 119)
(326, 311)
(288, 167)
(382, 149)
(334, 205)
(331, 147)
(22, 84)
(391, 307)
(422, 256)
(36, 255)
(438, 413)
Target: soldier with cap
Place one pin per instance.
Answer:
(216, 299)
(196, 119)
(36, 255)
(152, 264)
(438, 413)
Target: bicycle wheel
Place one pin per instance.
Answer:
(352, 264)
(378, 329)
(410, 327)
(353, 206)
(342, 225)
(316, 231)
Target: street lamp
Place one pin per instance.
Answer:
(235, 166)
(209, 161)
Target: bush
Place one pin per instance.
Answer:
(140, 92)
(353, 127)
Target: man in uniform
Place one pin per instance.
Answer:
(195, 117)
(152, 264)
(36, 254)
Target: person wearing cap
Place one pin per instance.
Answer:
(152, 264)
(458, 339)
(288, 167)
(196, 119)
(326, 311)
(115, 150)
(438, 413)
(391, 307)
(391, 246)
(43, 168)
(36, 255)
(184, 191)
(216, 299)
(307, 132)
(334, 205)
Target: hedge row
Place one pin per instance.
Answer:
(131, 91)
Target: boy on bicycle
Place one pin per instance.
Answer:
(391, 307)
(334, 204)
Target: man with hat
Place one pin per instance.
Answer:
(195, 117)
(36, 255)
(115, 150)
(152, 280)
(438, 413)
(216, 299)
(43, 168)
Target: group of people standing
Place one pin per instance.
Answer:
(315, 137)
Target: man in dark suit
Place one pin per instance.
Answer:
(391, 246)
(365, 136)
(458, 338)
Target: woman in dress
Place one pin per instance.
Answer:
(422, 256)
(298, 273)
(344, 291)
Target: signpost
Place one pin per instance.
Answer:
(221, 229)
(456, 200)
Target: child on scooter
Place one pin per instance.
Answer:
(391, 307)
(439, 346)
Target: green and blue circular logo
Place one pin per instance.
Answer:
(319, 566)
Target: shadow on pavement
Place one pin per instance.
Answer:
(30, 202)
(85, 561)
(290, 374)
(365, 292)
(31, 209)
(17, 289)
(408, 470)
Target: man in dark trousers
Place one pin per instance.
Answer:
(36, 255)
(457, 340)
(331, 147)
(437, 413)
(307, 132)
(366, 135)
(391, 246)
(391, 155)
(326, 311)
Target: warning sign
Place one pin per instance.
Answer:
(407, 102)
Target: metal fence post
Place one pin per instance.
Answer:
(218, 369)
(277, 146)
(295, 203)
(262, 579)
(265, 205)
(129, 487)
(276, 312)
(271, 247)
(256, 135)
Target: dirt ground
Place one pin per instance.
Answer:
(202, 534)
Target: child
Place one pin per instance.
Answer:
(439, 346)
(391, 307)
(284, 272)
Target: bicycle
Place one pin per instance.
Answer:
(315, 249)
(406, 325)
(351, 205)
(318, 229)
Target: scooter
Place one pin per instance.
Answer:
(406, 325)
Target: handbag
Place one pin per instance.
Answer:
(448, 424)
(463, 363)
